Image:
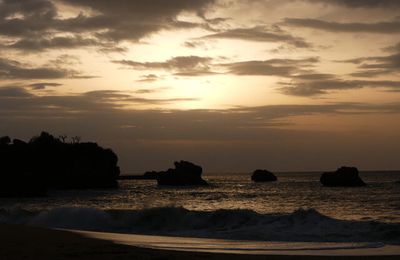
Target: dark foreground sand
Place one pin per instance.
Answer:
(21, 242)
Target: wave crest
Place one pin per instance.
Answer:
(306, 225)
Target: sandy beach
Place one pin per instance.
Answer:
(22, 242)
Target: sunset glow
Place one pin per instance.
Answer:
(157, 80)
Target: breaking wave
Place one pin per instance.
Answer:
(305, 225)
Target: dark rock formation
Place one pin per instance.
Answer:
(45, 162)
(25, 184)
(263, 176)
(343, 177)
(151, 175)
(5, 140)
(184, 174)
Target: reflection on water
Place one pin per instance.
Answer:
(380, 200)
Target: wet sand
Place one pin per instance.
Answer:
(22, 242)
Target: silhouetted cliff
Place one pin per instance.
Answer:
(49, 162)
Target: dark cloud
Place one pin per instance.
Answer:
(260, 34)
(122, 99)
(195, 44)
(324, 86)
(112, 103)
(148, 78)
(361, 3)
(19, 100)
(180, 65)
(217, 20)
(7, 92)
(145, 91)
(37, 16)
(36, 24)
(375, 66)
(200, 66)
(43, 85)
(272, 67)
(39, 44)
(394, 48)
(141, 9)
(314, 76)
(378, 27)
(10, 69)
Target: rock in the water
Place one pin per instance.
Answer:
(342, 177)
(263, 176)
(46, 162)
(184, 174)
(151, 175)
(22, 185)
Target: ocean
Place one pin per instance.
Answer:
(295, 208)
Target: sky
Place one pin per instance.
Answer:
(288, 85)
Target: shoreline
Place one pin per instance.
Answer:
(25, 242)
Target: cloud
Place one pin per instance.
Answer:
(180, 65)
(43, 85)
(7, 92)
(324, 86)
(375, 66)
(360, 3)
(40, 44)
(272, 67)
(145, 91)
(122, 99)
(104, 108)
(20, 100)
(148, 78)
(36, 25)
(260, 34)
(199, 66)
(394, 48)
(115, 102)
(195, 44)
(11, 69)
(378, 27)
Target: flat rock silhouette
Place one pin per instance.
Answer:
(46, 162)
(184, 174)
(263, 176)
(342, 177)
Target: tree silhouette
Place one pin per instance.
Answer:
(76, 139)
(63, 137)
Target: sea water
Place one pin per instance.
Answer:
(295, 208)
